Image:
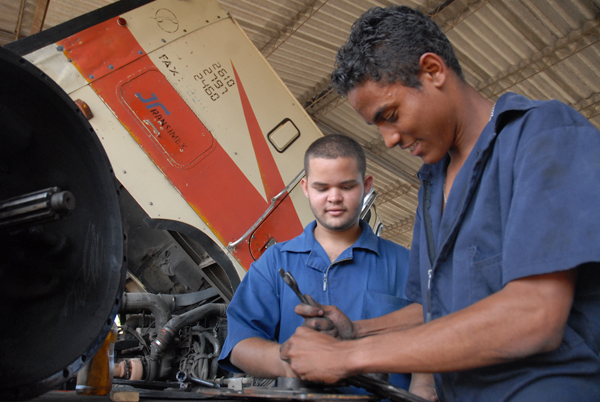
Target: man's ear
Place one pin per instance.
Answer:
(433, 68)
(368, 183)
(304, 185)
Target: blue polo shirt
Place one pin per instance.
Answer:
(367, 280)
(526, 202)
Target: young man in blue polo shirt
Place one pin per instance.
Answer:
(506, 246)
(336, 260)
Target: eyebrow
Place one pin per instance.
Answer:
(345, 182)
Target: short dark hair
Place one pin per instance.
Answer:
(336, 146)
(387, 43)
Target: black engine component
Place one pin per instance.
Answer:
(62, 269)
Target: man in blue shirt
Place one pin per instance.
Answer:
(336, 260)
(505, 254)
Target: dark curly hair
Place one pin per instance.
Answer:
(335, 146)
(387, 43)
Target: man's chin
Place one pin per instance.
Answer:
(338, 226)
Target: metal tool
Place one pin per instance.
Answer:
(383, 389)
(375, 386)
(289, 279)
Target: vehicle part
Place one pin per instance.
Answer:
(62, 271)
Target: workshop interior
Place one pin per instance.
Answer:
(152, 150)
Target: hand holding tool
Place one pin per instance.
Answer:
(378, 387)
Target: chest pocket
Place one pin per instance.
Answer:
(485, 276)
(378, 304)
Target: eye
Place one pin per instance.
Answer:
(390, 118)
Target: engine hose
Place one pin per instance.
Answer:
(137, 321)
(202, 347)
(137, 302)
(215, 355)
(204, 371)
(167, 333)
(192, 316)
(200, 356)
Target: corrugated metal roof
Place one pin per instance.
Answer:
(544, 49)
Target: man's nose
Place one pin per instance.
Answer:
(390, 135)
(335, 195)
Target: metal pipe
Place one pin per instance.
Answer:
(274, 200)
(137, 321)
(196, 315)
(137, 302)
(368, 203)
(214, 365)
(167, 333)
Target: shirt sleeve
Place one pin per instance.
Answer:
(554, 212)
(254, 309)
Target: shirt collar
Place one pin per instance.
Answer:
(505, 107)
(306, 241)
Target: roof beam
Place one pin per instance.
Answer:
(318, 92)
(573, 43)
(398, 228)
(20, 20)
(434, 8)
(324, 103)
(589, 107)
(459, 16)
(40, 16)
(391, 192)
(291, 27)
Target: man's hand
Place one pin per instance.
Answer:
(423, 385)
(306, 347)
(325, 319)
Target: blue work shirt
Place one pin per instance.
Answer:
(526, 202)
(367, 280)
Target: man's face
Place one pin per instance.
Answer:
(335, 190)
(411, 118)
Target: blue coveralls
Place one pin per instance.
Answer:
(526, 202)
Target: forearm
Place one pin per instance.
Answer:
(405, 318)
(525, 318)
(260, 358)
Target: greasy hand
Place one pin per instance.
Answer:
(326, 319)
(314, 356)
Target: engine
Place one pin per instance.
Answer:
(179, 341)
